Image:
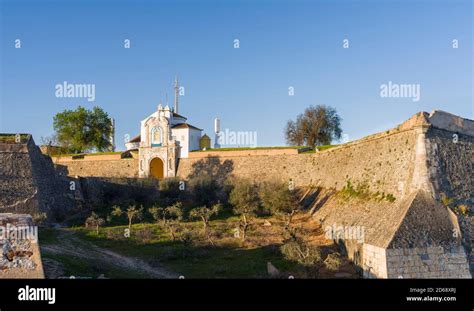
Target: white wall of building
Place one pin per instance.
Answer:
(194, 138)
(188, 139)
(182, 136)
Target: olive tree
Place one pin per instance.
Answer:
(94, 221)
(169, 217)
(132, 212)
(317, 125)
(204, 214)
(245, 200)
(279, 200)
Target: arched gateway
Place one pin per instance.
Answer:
(157, 168)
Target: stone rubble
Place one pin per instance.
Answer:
(16, 254)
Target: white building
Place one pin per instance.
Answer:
(165, 136)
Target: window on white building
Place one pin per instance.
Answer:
(156, 136)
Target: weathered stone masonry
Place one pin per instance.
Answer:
(414, 237)
(19, 248)
(29, 183)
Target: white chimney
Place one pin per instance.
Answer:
(217, 130)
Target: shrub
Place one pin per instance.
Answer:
(390, 197)
(301, 252)
(279, 200)
(144, 235)
(333, 261)
(39, 218)
(205, 190)
(446, 200)
(170, 189)
(114, 235)
(362, 191)
(461, 209)
(185, 236)
(298, 250)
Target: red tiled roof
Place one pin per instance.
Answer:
(135, 139)
(185, 125)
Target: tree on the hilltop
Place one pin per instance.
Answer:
(83, 130)
(244, 198)
(318, 125)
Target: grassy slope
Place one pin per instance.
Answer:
(228, 259)
(79, 267)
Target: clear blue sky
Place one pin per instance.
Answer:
(282, 44)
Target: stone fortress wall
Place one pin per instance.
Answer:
(29, 183)
(430, 153)
(110, 168)
(414, 155)
(450, 154)
(383, 163)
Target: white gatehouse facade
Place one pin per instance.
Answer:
(165, 136)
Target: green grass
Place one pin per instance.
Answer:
(48, 236)
(152, 243)
(361, 191)
(326, 147)
(11, 138)
(198, 261)
(82, 268)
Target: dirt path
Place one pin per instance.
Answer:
(71, 245)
